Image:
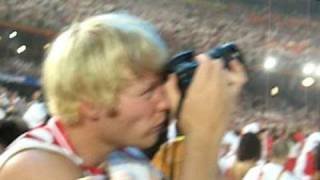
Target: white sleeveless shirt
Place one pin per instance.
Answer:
(49, 137)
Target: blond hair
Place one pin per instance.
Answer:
(90, 61)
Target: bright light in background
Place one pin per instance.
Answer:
(318, 71)
(308, 69)
(46, 46)
(270, 62)
(21, 49)
(13, 34)
(307, 82)
(274, 91)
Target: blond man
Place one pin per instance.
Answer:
(102, 81)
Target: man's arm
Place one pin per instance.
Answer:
(39, 165)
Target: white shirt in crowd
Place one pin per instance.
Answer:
(232, 140)
(35, 115)
(295, 150)
(251, 128)
(269, 171)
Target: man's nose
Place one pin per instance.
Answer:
(163, 99)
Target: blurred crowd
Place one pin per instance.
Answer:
(27, 111)
(185, 23)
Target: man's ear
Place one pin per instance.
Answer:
(89, 111)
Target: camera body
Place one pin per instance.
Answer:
(183, 65)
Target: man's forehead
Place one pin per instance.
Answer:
(142, 81)
(145, 79)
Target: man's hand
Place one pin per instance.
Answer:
(205, 113)
(211, 97)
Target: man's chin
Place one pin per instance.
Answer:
(154, 146)
(148, 142)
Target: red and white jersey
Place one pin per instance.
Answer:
(305, 163)
(269, 171)
(50, 137)
(294, 153)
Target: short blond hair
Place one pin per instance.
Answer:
(89, 61)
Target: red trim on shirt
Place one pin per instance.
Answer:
(94, 170)
(62, 131)
(290, 164)
(310, 164)
(29, 135)
(91, 169)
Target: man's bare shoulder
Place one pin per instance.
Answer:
(38, 164)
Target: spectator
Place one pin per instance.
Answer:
(305, 163)
(230, 144)
(274, 169)
(248, 154)
(37, 112)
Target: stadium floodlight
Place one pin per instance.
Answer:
(308, 81)
(21, 49)
(308, 69)
(270, 62)
(13, 34)
(274, 91)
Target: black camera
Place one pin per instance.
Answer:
(183, 65)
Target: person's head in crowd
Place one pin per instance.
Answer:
(110, 68)
(235, 127)
(280, 150)
(9, 130)
(249, 147)
(36, 95)
(295, 135)
(271, 132)
(248, 154)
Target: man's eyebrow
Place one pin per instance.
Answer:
(151, 85)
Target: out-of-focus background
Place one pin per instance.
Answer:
(279, 39)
